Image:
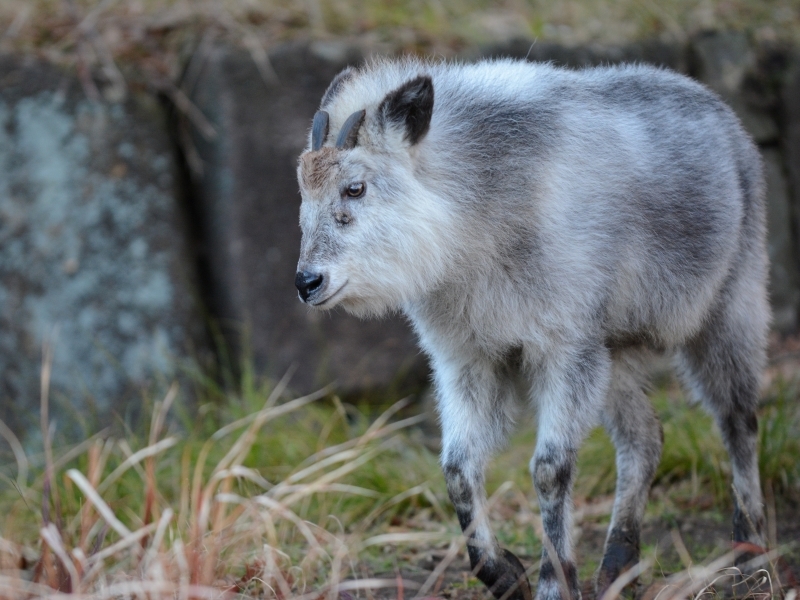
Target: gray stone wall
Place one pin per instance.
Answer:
(789, 148)
(730, 66)
(93, 258)
(97, 244)
(247, 199)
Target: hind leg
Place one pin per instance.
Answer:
(636, 432)
(722, 367)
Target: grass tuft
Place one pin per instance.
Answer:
(276, 503)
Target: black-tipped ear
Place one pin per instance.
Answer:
(336, 85)
(410, 106)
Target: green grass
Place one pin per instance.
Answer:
(424, 21)
(693, 450)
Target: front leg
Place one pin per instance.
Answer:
(475, 405)
(569, 393)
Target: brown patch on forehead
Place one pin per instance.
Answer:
(317, 168)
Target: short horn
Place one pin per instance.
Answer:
(348, 136)
(319, 130)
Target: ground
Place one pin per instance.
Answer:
(267, 496)
(701, 535)
(684, 526)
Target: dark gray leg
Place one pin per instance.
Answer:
(553, 469)
(474, 404)
(570, 392)
(497, 568)
(633, 426)
(722, 367)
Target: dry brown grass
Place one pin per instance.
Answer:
(146, 40)
(124, 532)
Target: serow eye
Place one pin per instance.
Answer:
(355, 190)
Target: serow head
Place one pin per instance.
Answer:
(364, 237)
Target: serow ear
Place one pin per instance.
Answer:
(410, 106)
(336, 85)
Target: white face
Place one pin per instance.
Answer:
(366, 244)
(369, 227)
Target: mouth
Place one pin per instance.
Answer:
(318, 303)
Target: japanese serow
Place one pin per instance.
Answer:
(554, 227)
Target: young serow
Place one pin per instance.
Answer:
(556, 226)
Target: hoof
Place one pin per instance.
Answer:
(746, 552)
(551, 586)
(750, 580)
(506, 578)
(619, 557)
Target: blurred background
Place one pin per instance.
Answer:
(149, 237)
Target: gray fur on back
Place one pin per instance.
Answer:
(553, 223)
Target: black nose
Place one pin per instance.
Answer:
(306, 283)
